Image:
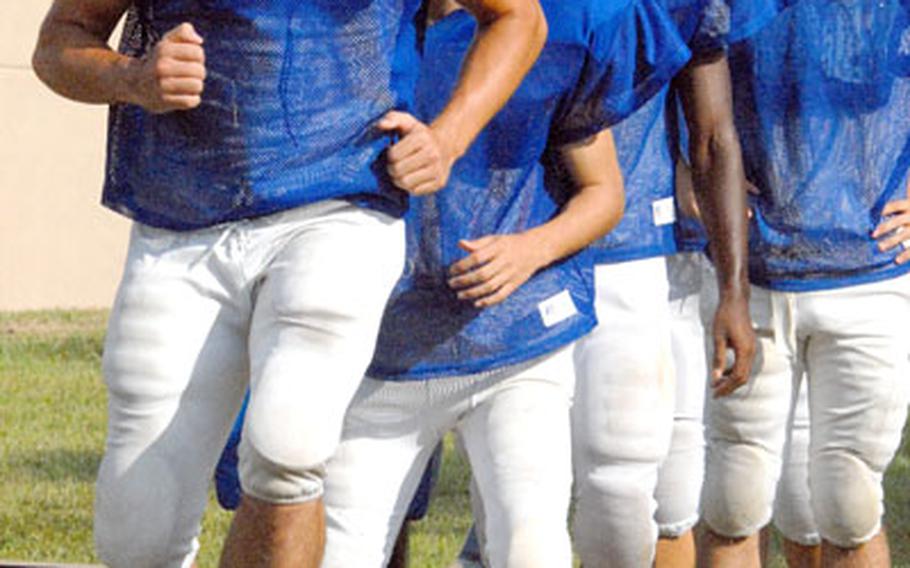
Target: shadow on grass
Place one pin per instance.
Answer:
(56, 465)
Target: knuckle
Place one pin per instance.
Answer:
(161, 68)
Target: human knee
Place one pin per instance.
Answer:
(738, 495)
(534, 545)
(795, 526)
(146, 513)
(612, 503)
(622, 486)
(630, 432)
(680, 480)
(846, 499)
(793, 515)
(286, 468)
(128, 551)
(285, 447)
(137, 529)
(282, 477)
(676, 529)
(678, 493)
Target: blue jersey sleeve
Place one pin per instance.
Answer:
(631, 57)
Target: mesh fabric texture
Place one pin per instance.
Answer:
(293, 90)
(821, 100)
(603, 59)
(646, 141)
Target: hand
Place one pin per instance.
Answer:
(172, 76)
(732, 330)
(685, 191)
(496, 266)
(420, 162)
(892, 232)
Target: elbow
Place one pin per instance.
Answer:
(41, 62)
(44, 58)
(527, 21)
(617, 210)
(711, 148)
(42, 66)
(611, 207)
(713, 151)
(539, 28)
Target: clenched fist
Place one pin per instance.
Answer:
(420, 162)
(172, 76)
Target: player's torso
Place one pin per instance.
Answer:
(647, 152)
(291, 95)
(506, 183)
(821, 103)
(646, 158)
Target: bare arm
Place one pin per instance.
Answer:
(72, 57)
(720, 188)
(498, 264)
(510, 35)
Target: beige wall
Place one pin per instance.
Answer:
(58, 246)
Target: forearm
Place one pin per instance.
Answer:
(589, 215)
(717, 170)
(74, 60)
(720, 190)
(506, 47)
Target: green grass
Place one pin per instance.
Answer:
(52, 424)
(52, 413)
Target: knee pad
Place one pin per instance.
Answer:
(846, 498)
(795, 525)
(534, 545)
(140, 523)
(128, 553)
(793, 515)
(283, 460)
(738, 494)
(281, 481)
(680, 480)
(614, 517)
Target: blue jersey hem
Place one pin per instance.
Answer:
(601, 256)
(692, 246)
(378, 202)
(488, 365)
(814, 285)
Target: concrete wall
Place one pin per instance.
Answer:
(58, 246)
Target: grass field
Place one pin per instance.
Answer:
(52, 412)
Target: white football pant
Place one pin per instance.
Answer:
(289, 304)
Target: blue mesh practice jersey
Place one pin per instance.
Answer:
(645, 142)
(293, 91)
(602, 60)
(822, 100)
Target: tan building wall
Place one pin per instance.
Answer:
(58, 246)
